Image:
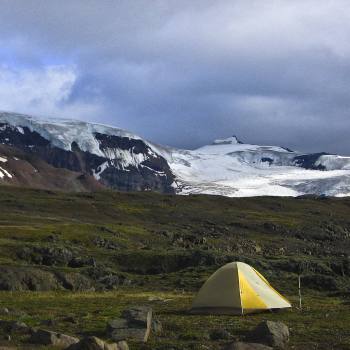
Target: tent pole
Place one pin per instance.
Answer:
(299, 289)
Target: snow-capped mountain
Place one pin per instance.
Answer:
(231, 168)
(124, 161)
(116, 158)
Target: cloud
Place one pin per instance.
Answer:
(42, 91)
(184, 73)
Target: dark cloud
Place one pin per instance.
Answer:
(184, 72)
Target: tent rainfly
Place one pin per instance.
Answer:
(236, 289)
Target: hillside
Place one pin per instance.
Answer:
(19, 168)
(104, 250)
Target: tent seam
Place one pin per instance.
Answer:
(239, 290)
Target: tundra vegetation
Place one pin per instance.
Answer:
(71, 262)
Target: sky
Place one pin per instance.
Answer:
(184, 73)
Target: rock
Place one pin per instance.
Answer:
(14, 326)
(77, 262)
(117, 323)
(94, 343)
(135, 323)
(4, 311)
(106, 278)
(14, 278)
(44, 337)
(50, 322)
(105, 243)
(123, 345)
(157, 327)
(247, 346)
(218, 334)
(110, 282)
(138, 334)
(69, 319)
(49, 256)
(275, 334)
(140, 315)
(74, 281)
(120, 329)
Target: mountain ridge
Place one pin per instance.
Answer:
(122, 160)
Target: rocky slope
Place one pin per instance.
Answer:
(20, 168)
(121, 160)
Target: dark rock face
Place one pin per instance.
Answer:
(19, 279)
(267, 160)
(34, 279)
(308, 161)
(151, 172)
(14, 278)
(54, 256)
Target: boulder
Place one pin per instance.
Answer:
(94, 343)
(44, 337)
(136, 323)
(138, 316)
(138, 334)
(247, 346)
(275, 334)
(116, 323)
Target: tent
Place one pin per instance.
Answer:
(236, 289)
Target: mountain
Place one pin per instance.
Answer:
(231, 168)
(25, 169)
(118, 159)
(114, 157)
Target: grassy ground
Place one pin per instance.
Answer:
(322, 324)
(167, 246)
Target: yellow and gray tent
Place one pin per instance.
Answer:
(237, 289)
